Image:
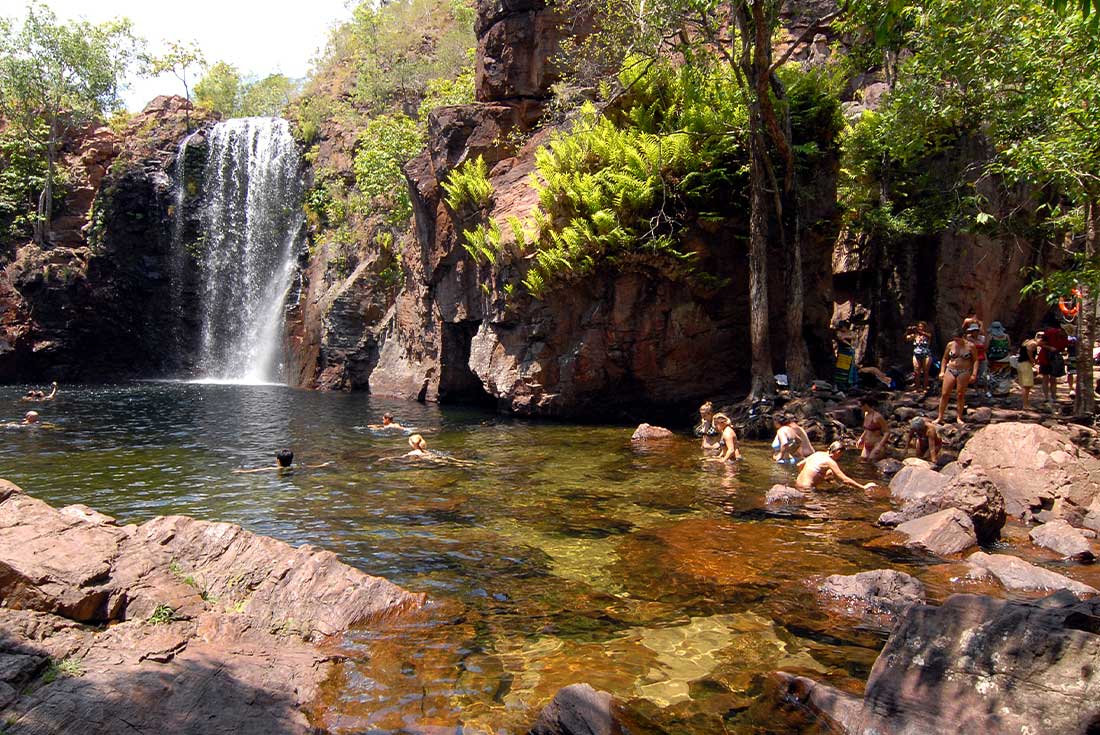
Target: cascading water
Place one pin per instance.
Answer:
(251, 224)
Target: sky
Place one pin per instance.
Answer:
(258, 37)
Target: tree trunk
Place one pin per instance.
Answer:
(762, 377)
(1084, 402)
(45, 201)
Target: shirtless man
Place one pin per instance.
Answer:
(387, 423)
(819, 466)
(926, 435)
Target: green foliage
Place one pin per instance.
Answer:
(223, 90)
(385, 145)
(442, 91)
(22, 175)
(468, 185)
(621, 185)
(180, 59)
(65, 668)
(162, 614)
(483, 242)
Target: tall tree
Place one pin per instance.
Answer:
(182, 60)
(54, 75)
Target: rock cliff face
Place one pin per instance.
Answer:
(626, 339)
(97, 303)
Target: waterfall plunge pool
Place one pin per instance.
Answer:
(566, 555)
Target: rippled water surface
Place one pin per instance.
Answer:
(563, 555)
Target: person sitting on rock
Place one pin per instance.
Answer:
(926, 435)
(284, 460)
(726, 446)
(387, 423)
(37, 395)
(820, 467)
(872, 442)
(791, 441)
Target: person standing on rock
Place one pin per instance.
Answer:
(920, 334)
(727, 448)
(1052, 365)
(876, 431)
(957, 369)
(791, 441)
(1025, 369)
(926, 435)
(977, 340)
(819, 467)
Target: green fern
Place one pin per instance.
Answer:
(469, 184)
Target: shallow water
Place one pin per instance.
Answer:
(564, 555)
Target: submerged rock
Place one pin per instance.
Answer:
(784, 494)
(646, 432)
(1059, 536)
(1016, 574)
(977, 665)
(877, 591)
(211, 627)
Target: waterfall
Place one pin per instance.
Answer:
(250, 226)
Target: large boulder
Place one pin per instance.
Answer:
(913, 481)
(212, 628)
(976, 665)
(1016, 574)
(1035, 469)
(944, 533)
(971, 491)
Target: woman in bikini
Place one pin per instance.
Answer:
(921, 336)
(726, 447)
(875, 432)
(958, 368)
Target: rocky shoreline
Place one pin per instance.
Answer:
(174, 625)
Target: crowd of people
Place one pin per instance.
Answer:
(791, 445)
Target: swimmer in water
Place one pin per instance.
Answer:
(37, 395)
(726, 446)
(821, 466)
(419, 452)
(284, 461)
(387, 423)
(30, 418)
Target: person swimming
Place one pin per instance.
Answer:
(284, 461)
(419, 452)
(388, 423)
(37, 395)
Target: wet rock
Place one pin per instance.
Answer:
(577, 709)
(889, 466)
(1016, 574)
(646, 432)
(947, 532)
(914, 482)
(1035, 469)
(1059, 536)
(784, 494)
(880, 590)
(963, 667)
(906, 413)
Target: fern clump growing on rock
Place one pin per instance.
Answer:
(469, 185)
